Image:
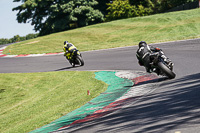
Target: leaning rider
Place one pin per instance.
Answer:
(69, 49)
(145, 52)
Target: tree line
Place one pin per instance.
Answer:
(51, 16)
(17, 38)
(119, 9)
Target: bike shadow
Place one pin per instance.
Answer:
(67, 68)
(156, 80)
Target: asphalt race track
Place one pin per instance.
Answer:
(173, 107)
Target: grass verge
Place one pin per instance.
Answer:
(31, 100)
(127, 32)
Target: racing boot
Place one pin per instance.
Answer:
(148, 69)
(168, 62)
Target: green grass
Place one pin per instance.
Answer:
(127, 32)
(31, 100)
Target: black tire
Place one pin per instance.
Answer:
(166, 70)
(80, 60)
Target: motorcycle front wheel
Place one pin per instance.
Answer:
(79, 60)
(166, 70)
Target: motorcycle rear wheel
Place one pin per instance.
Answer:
(166, 70)
(79, 60)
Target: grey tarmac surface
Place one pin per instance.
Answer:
(173, 106)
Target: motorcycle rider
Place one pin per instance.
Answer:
(69, 49)
(144, 54)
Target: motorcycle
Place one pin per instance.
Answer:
(75, 58)
(161, 67)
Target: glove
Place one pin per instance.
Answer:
(155, 54)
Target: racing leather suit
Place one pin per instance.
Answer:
(69, 49)
(144, 53)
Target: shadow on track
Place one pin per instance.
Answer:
(66, 68)
(175, 105)
(157, 80)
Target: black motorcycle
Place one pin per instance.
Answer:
(162, 67)
(75, 58)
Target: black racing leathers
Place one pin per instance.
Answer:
(144, 56)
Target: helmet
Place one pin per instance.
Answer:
(65, 42)
(142, 44)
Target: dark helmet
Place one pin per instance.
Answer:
(142, 44)
(65, 42)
